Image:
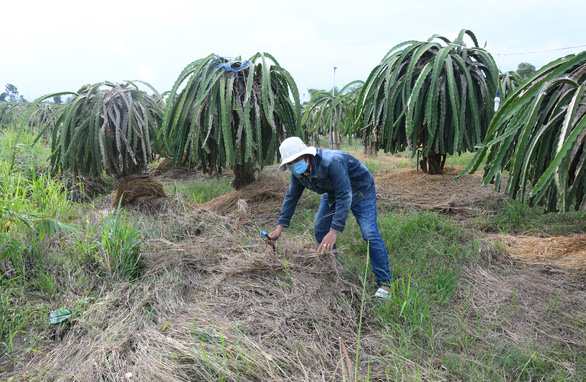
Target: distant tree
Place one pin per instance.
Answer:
(3, 96)
(525, 70)
(312, 91)
(57, 100)
(12, 92)
(508, 82)
(326, 112)
(352, 88)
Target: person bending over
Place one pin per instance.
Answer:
(346, 185)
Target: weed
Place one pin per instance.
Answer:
(204, 190)
(512, 217)
(14, 317)
(28, 209)
(44, 281)
(86, 246)
(310, 201)
(120, 241)
(553, 304)
(526, 364)
(50, 198)
(408, 306)
(514, 298)
(444, 283)
(461, 160)
(378, 167)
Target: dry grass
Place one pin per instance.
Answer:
(216, 303)
(567, 252)
(435, 192)
(260, 196)
(167, 170)
(210, 308)
(525, 305)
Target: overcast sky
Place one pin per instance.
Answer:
(52, 46)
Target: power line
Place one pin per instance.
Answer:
(539, 51)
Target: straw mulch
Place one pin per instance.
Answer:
(436, 192)
(135, 189)
(536, 306)
(223, 306)
(167, 170)
(568, 252)
(264, 194)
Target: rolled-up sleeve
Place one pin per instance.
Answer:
(290, 202)
(338, 174)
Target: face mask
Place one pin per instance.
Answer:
(298, 168)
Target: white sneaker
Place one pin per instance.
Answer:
(382, 293)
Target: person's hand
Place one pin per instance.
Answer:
(274, 236)
(327, 244)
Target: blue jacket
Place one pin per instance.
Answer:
(344, 178)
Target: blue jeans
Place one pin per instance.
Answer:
(365, 214)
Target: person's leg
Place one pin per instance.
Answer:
(366, 216)
(323, 219)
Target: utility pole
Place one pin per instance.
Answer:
(333, 98)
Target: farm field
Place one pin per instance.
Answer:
(487, 289)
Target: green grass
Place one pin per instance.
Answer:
(421, 319)
(202, 190)
(16, 148)
(380, 167)
(512, 217)
(119, 243)
(14, 318)
(461, 160)
(30, 209)
(425, 253)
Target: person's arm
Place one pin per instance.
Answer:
(288, 209)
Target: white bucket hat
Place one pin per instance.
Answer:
(291, 149)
